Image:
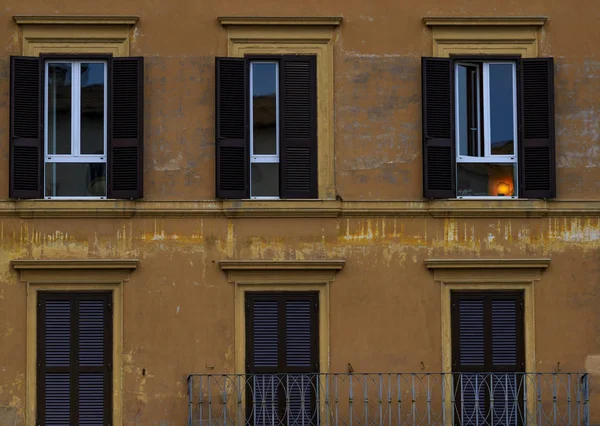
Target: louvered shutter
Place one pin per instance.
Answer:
(469, 357)
(231, 121)
(439, 156)
(264, 319)
(507, 356)
(301, 357)
(488, 351)
(298, 127)
(74, 359)
(125, 154)
(537, 153)
(55, 364)
(26, 141)
(94, 356)
(282, 356)
(469, 345)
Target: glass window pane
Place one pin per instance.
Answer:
(75, 179)
(468, 110)
(92, 108)
(265, 179)
(264, 108)
(463, 127)
(502, 124)
(59, 108)
(484, 179)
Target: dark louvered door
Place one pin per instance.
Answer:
(231, 118)
(26, 142)
(282, 358)
(537, 154)
(439, 156)
(488, 352)
(298, 127)
(74, 384)
(125, 158)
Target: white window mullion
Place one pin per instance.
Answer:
(487, 133)
(277, 110)
(76, 109)
(106, 116)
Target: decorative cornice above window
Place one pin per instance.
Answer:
(75, 20)
(275, 272)
(227, 265)
(502, 35)
(487, 272)
(486, 263)
(75, 34)
(330, 21)
(529, 21)
(125, 264)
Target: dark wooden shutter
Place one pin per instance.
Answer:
(439, 156)
(488, 351)
(298, 127)
(26, 140)
(231, 123)
(282, 332)
(487, 331)
(74, 359)
(468, 332)
(282, 352)
(537, 162)
(125, 154)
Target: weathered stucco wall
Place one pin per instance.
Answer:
(377, 86)
(178, 306)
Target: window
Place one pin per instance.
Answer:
(266, 131)
(487, 356)
(74, 381)
(488, 127)
(76, 127)
(282, 357)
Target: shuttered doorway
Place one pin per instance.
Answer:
(282, 356)
(74, 353)
(488, 355)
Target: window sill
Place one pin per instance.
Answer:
(451, 208)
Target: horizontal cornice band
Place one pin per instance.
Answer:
(298, 209)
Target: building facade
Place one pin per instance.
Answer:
(299, 213)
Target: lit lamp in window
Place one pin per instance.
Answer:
(503, 189)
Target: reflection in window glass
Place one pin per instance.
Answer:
(264, 108)
(75, 179)
(484, 179)
(502, 124)
(92, 108)
(468, 110)
(59, 108)
(463, 128)
(265, 179)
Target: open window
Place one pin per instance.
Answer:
(488, 127)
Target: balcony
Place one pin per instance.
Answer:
(387, 399)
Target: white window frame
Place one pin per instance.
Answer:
(75, 156)
(488, 158)
(261, 158)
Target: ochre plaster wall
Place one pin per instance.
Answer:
(377, 86)
(178, 305)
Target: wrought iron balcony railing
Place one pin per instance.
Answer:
(388, 399)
